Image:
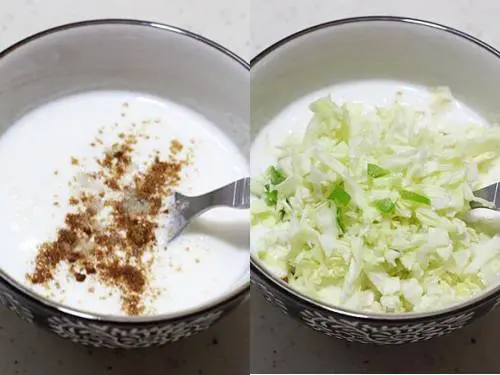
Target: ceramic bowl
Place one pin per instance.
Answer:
(137, 56)
(409, 50)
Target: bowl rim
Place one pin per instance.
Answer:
(257, 267)
(192, 312)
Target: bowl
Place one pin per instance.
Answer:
(408, 51)
(129, 55)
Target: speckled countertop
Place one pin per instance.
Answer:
(221, 350)
(281, 345)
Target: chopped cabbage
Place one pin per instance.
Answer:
(367, 210)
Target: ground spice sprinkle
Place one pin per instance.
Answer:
(112, 247)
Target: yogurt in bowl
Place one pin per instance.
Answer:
(94, 250)
(102, 121)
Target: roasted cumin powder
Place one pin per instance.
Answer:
(112, 249)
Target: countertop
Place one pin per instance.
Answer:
(223, 349)
(281, 345)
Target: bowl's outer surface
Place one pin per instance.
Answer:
(358, 49)
(31, 75)
(113, 335)
(336, 324)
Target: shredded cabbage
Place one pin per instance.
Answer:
(366, 211)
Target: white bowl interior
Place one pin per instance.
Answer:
(402, 51)
(132, 56)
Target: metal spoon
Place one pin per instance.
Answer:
(490, 193)
(185, 208)
(487, 218)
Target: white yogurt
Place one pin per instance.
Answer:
(207, 261)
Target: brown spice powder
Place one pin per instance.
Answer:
(113, 250)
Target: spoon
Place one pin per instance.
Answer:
(486, 217)
(185, 208)
(490, 193)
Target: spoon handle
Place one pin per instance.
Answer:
(236, 195)
(490, 193)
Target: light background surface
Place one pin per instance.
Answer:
(281, 345)
(223, 349)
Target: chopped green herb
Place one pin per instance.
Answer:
(277, 177)
(414, 197)
(340, 197)
(271, 197)
(385, 206)
(340, 219)
(374, 171)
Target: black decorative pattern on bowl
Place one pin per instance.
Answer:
(9, 301)
(368, 331)
(113, 335)
(108, 336)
